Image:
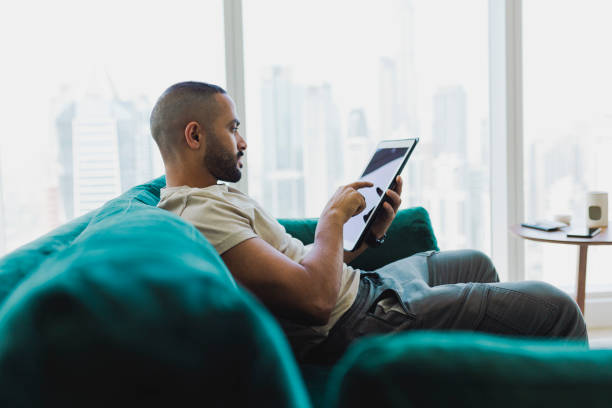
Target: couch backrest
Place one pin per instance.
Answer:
(23, 262)
(410, 232)
(133, 305)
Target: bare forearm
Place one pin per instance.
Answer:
(324, 261)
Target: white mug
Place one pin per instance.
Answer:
(597, 209)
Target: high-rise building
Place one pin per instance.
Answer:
(323, 147)
(95, 152)
(450, 121)
(104, 146)
(388, 106)
(63, 127)
(282, 144)
(359, 146)
(450, 168)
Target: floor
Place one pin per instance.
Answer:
(600, 338)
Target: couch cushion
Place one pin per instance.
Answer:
(410, 232)
(441, 369)
(140, 309)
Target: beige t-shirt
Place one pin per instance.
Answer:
(227, 217)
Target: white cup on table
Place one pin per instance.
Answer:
(596, 209)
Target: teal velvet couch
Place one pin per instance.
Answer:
(130, 305)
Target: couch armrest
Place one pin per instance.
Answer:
(411, 232)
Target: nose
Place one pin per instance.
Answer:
(242, 144)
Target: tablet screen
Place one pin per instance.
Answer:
(380, 171)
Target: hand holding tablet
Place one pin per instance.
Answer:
(385, 165)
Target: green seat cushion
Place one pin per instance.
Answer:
(139, 309)
(410, 232)
(442, 369)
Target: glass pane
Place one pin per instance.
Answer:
(78, 81)
(568, 127)
(325, 81)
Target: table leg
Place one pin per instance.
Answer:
(582, 266)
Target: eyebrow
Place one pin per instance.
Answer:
(234, 121)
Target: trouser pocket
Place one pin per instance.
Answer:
(386, 315)
(510, 311)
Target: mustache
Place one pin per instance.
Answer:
(240, 154)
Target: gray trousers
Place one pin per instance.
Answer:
(451, 290)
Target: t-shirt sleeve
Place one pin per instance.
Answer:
(223, 224)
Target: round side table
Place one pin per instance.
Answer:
(560, 237)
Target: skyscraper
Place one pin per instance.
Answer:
(449, 121)
(388, 106)
(95, 152)
(63, 127)
(282, 142)
(104, 146)
(359, 146)
(323, 147)
(450, 167)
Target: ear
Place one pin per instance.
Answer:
(193, 135)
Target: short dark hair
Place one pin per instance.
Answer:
(177, 106)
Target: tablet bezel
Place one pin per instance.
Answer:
(385, 144)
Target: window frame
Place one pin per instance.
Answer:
(506, 133)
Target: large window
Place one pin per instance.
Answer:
(568, 127)
(325, 81)
(78, 81)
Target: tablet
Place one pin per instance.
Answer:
(387, 162)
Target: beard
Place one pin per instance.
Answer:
(221, 164)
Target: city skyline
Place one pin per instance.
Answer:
(310, 129)
(303, 135)
(549, 163)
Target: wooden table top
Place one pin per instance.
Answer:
(560, 237)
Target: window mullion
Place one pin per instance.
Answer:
(234, 69)
(506, 104)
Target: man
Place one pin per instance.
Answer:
(322, 303)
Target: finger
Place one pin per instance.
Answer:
(389, 213)
(395, 198)
(360, 184)
(398, 185)
(389, 208)
(362, 206)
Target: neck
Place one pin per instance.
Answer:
(186, 176)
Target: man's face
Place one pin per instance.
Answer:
(224, 145)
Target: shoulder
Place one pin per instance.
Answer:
(219, 199)
(210, 207)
